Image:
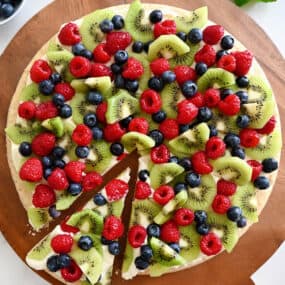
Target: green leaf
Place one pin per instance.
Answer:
(241, 2)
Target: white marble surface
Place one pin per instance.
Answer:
(268, 16)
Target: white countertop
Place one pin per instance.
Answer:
(268, 16)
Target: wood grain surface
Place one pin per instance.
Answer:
(227, 269)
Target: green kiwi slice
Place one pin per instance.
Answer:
(55, 125)
(128, 258)
(135, 140)
(64, 201)
(54, 46)
(178, 201)
(18, 133)
(38, 218)
(59, 59)
(41, 250)
(95, 238)
(162, 218)
(258, 90)
(102, 84)
(115, 208)
(31, 93)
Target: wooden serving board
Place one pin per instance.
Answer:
(262, 239)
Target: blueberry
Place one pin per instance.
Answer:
(119, 81)
(195, 36)
(242, 121)
(269, 165)
(225, 92)
(221, 53)
(25, 149)
(132, 85)
(178, 187)
(105, 241)
(58, 100)
(99, 199)
(117, 149)
(64, 260)
(140, 263)
(185, 163)
(52, 263)
(97, 133)
(60, 163)
(125, 122)
(182, 36)
(155, 83)
(200, 216)
(46, 87)
(146, 253)
(227, 42)
(74, 189)
(183, 128)
(77, 49)
(94, 98)
(231, 140)
(138, 47)
(47, 172)
(85, 243)
(143, 175)
(58, 152)
(173, 159)
(114, 248)
(193, 179)
(201, 68)
(155, 16)
(7, 10)
(175, 246)
(168, 76)
(53, 212)
(242, 82)
(157, 136)
(82, 151)
(65, 111)
(55, 78)
(238, 152)
(153, 230)
(87, 54)
(146, 46)
(243, 96)
(116, 68)
(159, 116)
(121, 56)
(213, 131)
(234, 213)
(106, 26)
(261, 182)
(189, 89)
(90, 120)
(205, 114)
(202, 229)
(242, 222)
(118, 22)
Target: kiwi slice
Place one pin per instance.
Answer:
(178, 201)
(135, 140)
(54, 46)
(90, 30)
(196, 19)
(167, 46)
(102, 84)
(95, 238)
(215, 77)
(224, 124)
(128, 258)
(258, 90)
(233, 168)
(134, 18)
(18, 133)
(41, 250)
(59, 59)
(64, 201)
(38, 218)
(162, 218)
(115, 208)
(31, 93)
(55, 125)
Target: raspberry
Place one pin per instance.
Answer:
(100, 54)
(212, 34)
(210, 244)
(40, 71)
(46, 110)
(197, 100)
(65, 89)
(62, 243)
(58, 180)
(166, 27)
(227, 62)
(27, 110)
(163, 194)
(43, 144)
(91, 181)
(183, 217)
(226, 188)
(80, 66)
(101, 112)
(72, 273)
(43, 196)
(150, 101)
(74, 169)
(215, 147)
(143, 190)
(221, 204)
(116, 189)
(31, 170)
(212, 97)
(230, 106)
(249, 138)
(243, 62)
(82, 135)
(184, 73)
(139, 125)
(200, 163)
(169, 128)
(69, 34)
(256, 168)
(160, 154)
(136, 236)
(67, 228)
(169, 232)
(117, 41)
(206, 54)
(159, 65)
(121, 157)
(268, 127)
(99, 69)
(113, 132)
(113, 228)
(187, 112)
(133, 69)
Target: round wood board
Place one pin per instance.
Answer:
(261, 240)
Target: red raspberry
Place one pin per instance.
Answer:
(143, 190)
(62, 243)
(227, 62)
(160, 154)
(113, 132)
(116, 189)
(69, 34)
(82, 135)
(58, 180)
(268, 127)
(136, 236)
(72, 273)
(117, 41)
(200, 163)
(150, 101)
(133, 69)
(230, 106)
(197, 100)
(169, 128)
(166, 27)
(169, 232)
(139, 125)
(65, 89)
(184, 73)
(43, 196)
(243, 62)
(67, 228)
(100, 54)
(113, 228)
(212, 34)
(187, 112)
(31, 170)
(43, 144)
(221, 204)
(91, 181)
(99, 70)
(210, 244)
(249, 138)
(101, 112)
(122, 156)
(183, 217)
(74, 169)
(206, 54)
(163, 194)
(256, 168)
(159, 65)
(80, 66)
(226, 188)
(27, 110)
(212, 97)
(46, 110)
(215, 147)
(40, 71)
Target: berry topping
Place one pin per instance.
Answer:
(212, 34)
(221, 204)
(79, 66)
(31, 170)
(40, 71)
(195, 36)
(243, 62)
(69, 34)
(27, 110)
(58, 180)
(269, 165)
(46, 110)
(116, 189)
(169, 232)
(256, 168)
(163, 194)
(82, 135)
(43, 144)
(268, 127)
(43, 196)
(100, 54)
(101, 112)
(227, 62)
(67, 228)
(143, 190)
(113, 228)
(197, 100)
(65, 89)
(117, 41)
(139, 125)
(166, 27)
(249, 138)
(150, 101)
(212, 97)
(62, 243)
(210, 244)
(160, 154)
(74, 170)
(215, 147)
(200, 163)
(230, 106)
(183, 217)
(207, 55)
(169, 128)
(155, 16)
(91, 181)
(133, 69)
(159, 65)
(226, 188)
(71, 273)
(113, 132)
(184, 73)
(187, 112)
(261, 182)
(136, 236)
(99, 69)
